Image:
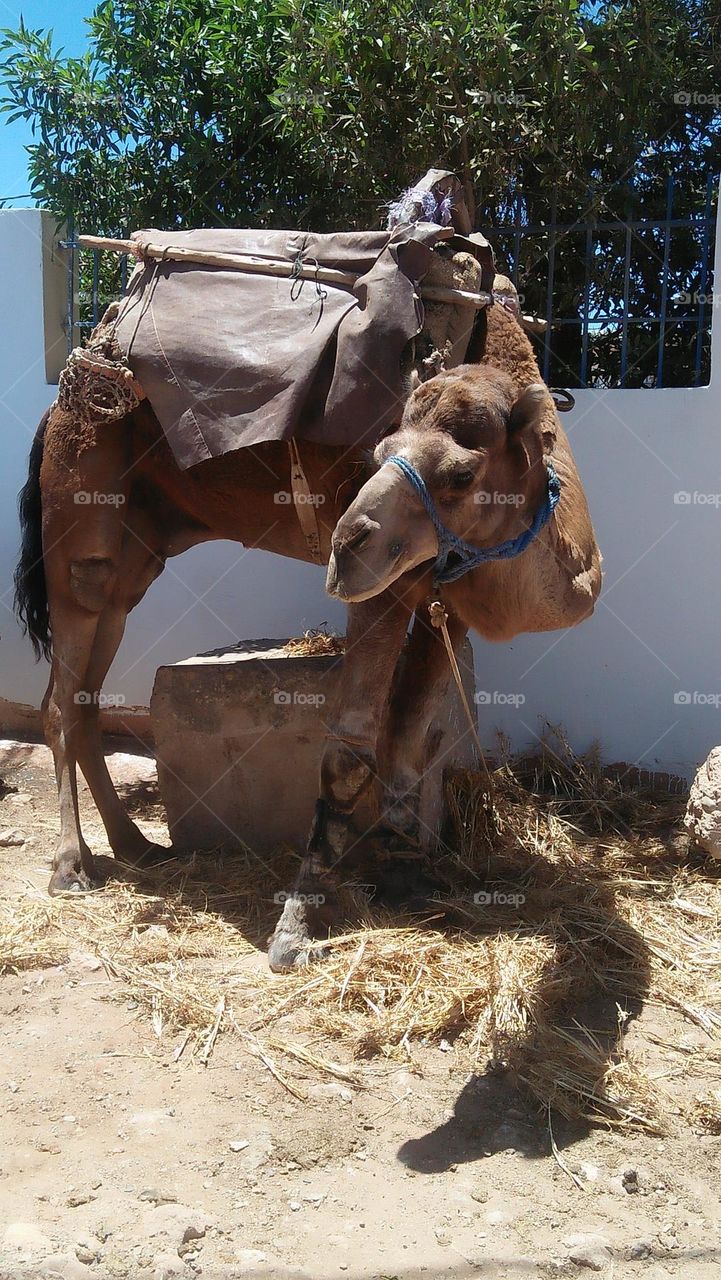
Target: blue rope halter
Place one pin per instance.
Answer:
(466, 556)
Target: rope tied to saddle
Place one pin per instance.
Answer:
(97, 384)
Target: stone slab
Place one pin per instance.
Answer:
(239, 734)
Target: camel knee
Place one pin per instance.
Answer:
(346, 772)
(92, 581)
(51, 720)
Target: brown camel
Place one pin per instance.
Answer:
(477, 436)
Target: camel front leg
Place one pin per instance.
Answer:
(417, 696)
(376, 631)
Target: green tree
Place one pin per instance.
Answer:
(313, 113)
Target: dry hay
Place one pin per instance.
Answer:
(617, 913)
(318, 642)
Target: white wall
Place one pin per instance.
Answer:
(655, 632)
(657, 627)
(24, 395)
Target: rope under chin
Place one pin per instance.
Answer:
(457, 557)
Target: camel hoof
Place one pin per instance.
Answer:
(287, 952)
(67, 878)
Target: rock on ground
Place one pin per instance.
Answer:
(589, 1250)
(703, 812)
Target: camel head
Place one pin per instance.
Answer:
(478, 446)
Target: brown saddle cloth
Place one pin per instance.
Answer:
(229, 359)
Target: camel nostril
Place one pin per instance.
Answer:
(356, 538)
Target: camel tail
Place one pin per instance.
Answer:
(31, 596)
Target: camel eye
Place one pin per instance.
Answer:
(461, 479)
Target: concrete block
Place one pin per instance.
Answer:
(239, 734)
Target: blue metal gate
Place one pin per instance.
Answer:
(624, 324)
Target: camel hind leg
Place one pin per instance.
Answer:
(83, 650)
(139, 565)
(73, 865)
(84, 487)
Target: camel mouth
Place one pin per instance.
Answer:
(340, 586)
(384, 533)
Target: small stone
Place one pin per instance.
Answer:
(630, 1181)
(239, 1146)
(153, 1196)
(295, 1205)
(80, 1198)
(331, 1090)
(637, 1251)
(589, 1250)
(85, 1254)
(10, 839)
(193, 1232)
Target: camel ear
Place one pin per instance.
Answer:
(529, 412)
(528, 408)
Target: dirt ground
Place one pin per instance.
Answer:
(117, 1160)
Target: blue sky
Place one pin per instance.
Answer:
(65, 17)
